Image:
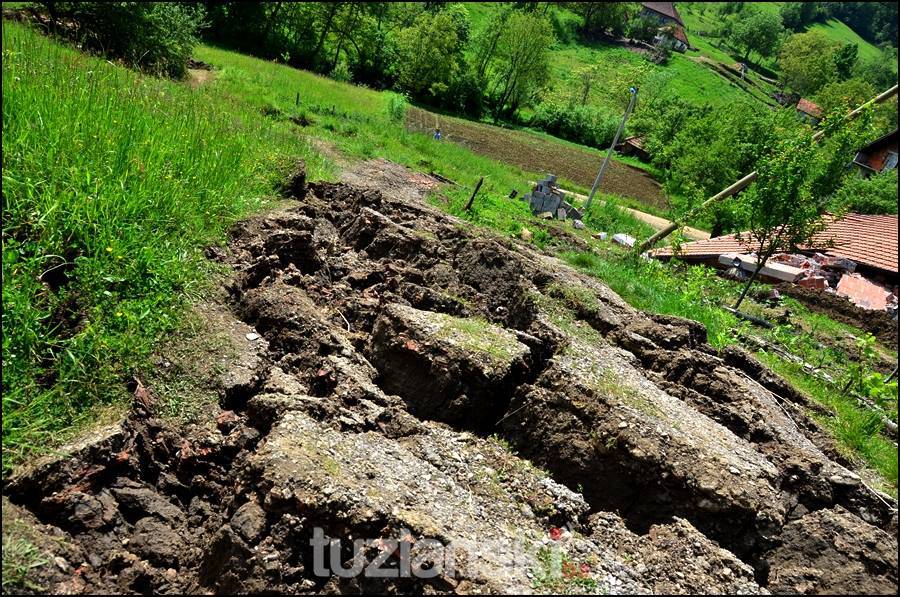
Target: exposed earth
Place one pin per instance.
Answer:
(399, 374)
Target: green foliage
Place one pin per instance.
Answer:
(862, 378)
(588, 125)
(396, 107)
(429, 55)
(606, 214)
(876, 194)
(796, 16)
(807, 61)
(20, 559)
(759, 32)
(518, 65)
(642, 28)
(880, 72)
(112, 185)
(845, 59)
(602, 17)
(157, 37)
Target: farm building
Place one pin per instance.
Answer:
(855, 256)
(809, 112)
(634, 146)
(671, 26)
(878, 156)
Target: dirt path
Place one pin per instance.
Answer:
(656, 222)
(380, 347)
(534, 154)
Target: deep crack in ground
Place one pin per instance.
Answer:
(395, 340)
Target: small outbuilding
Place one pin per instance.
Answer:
(809, 112)
(878, 156)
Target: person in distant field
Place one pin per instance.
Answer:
(437, 134)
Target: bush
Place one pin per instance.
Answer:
(157, 37)
(396, 106)
(588, 125)
(874, 195)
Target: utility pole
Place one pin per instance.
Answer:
(747, 180)
(605, 163)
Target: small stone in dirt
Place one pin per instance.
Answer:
(601, 235)
(226, 421)
(623, 425)
(547, 215)
(733, 470)
(526, 235)
(252, 336)
(578, 224)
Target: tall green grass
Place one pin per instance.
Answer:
(112, 183)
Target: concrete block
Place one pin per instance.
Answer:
(626, 240)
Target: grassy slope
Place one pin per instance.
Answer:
(700, 28)
(119, 179)
(217, 175)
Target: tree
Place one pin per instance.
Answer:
(876, 194)
(782, 214)
(878, 71)
(520, 62)
(841, 97)
(429, 55)
(759, 32)
(796, 16)
(602, 17)
(807, 61)
(845, 60)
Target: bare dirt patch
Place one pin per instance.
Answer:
(533, 154)
(394, 345)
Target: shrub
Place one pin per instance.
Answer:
(588, 125)
(874, 195)
(157, 37)
(396, 106)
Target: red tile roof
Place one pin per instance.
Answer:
(680, 35)
(868, 240)
(667, 9)
(807, 107)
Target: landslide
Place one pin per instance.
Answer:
(415, 377)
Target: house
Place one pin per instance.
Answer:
(878, 156)
(634, 146)
(671, 26)
(809, 112)
(859, 245)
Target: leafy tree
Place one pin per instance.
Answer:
(841, 97)
(429, 55)
(845, 60)
(519, 64)
(759, 32)
(642, 28)
(876, 194)
(602, 17)
(797, 16)
(807, 61)
(487, 41)
(781, 213)
(878, 71)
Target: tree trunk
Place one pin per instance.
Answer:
(759, 266)
(325, 30)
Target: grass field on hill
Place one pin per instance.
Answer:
(120, 180)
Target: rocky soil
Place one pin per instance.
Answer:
(402, 376)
